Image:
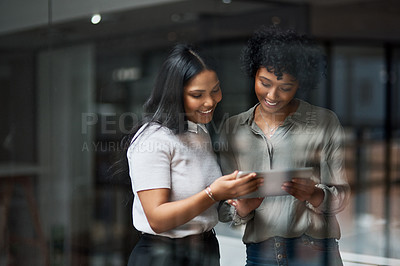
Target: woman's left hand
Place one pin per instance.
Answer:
(245, 206)
(304, 189)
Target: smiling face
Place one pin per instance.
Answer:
(275, 95)
(200, 97)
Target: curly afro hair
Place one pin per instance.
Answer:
(284, 51)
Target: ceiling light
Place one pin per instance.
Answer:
(96, 18)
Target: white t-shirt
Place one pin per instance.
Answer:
(184, 163)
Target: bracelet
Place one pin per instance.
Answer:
(209, 193)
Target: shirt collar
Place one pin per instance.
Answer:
(247, 116)
(300, 115)
(194, 127)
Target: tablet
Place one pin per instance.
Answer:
(274, 179)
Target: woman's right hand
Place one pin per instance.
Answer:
(231, 187)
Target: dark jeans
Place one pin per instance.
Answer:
(299, 251)
(196, 250)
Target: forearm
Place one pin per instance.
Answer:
(334, 185)
(335, 198)
(164, 215)
(333, 180)
(317, 197)
(170, 215)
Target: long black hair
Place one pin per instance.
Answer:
(165, 105)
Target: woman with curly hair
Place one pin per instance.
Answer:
(283, 132)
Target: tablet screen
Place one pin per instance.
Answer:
(274, 179)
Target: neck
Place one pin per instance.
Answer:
(269, 122)
(279, 117)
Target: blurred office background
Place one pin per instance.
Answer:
(71, 83)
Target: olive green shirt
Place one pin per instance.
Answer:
(310, 137)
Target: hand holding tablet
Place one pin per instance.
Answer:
(274, 179)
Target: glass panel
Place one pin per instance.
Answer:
(364, 232)
(359, 95)
(395, 82)
(70, 90)
(357, 85)
(394, 227)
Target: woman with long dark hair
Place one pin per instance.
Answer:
(175, 177)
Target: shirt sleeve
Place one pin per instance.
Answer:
(333, 177)
(226, 156)
(227, 213)
(149, 159)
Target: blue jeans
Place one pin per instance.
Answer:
(299, 251)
